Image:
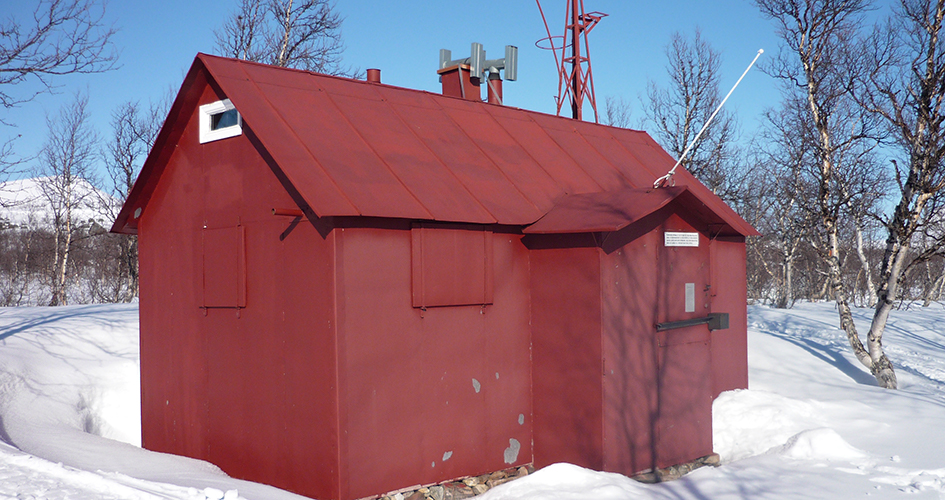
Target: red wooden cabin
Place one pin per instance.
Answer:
(349, 288)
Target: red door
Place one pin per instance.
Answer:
(684, 419)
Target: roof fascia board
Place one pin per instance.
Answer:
(728, 215)
(171, 130)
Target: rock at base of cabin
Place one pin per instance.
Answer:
(458, 491)
(462, 488)
(437, 493)
(677, 471)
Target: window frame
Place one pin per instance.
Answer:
(207, 111)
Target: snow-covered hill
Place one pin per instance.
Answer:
(813, 424)
(22, 203)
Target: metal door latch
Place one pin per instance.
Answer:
(716, 321)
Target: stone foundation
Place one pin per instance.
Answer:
(466, 487)
(677, 471)
(469, 487)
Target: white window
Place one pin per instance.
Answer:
(219, 120)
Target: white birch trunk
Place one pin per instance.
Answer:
(865, 264)
(286, 21)
(937, 289)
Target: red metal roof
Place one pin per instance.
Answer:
(603, 212)
(610, 211)
(353, 148)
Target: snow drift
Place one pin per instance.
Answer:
(813, 423)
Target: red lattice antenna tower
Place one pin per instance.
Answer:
(575, 79)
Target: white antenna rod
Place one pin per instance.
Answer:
(669, 175)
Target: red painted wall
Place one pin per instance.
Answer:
(729, 347)
(428, 395)
(566, 355)
(251, 390)
(628, 290)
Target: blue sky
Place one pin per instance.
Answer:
(158, 41)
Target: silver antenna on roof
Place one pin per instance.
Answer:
(669, 175)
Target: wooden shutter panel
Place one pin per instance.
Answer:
(452, 265)
(224, 267)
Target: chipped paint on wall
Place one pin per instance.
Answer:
(511, 453)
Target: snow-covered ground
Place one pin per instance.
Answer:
(70, 414)
(813, 424)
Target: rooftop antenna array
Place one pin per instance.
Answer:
(575, 79)
(478, 65)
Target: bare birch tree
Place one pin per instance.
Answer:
(679, 111)
(9, 163)
(906, 86)
(304, 34)
(865, 191)
(66, 164)
(133, 132)
(242, 35)
(815, 61)
(785, 219)
(617, 112)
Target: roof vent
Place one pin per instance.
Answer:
(374, 75)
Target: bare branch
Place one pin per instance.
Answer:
(63, 37)
(617, 112)
(679, 111)
(304, 34)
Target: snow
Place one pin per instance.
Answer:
(22, 203)
(813, 423)
(70, 414)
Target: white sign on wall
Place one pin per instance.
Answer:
(678, 239)
(690, 297)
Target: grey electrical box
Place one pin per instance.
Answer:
(718, 321)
